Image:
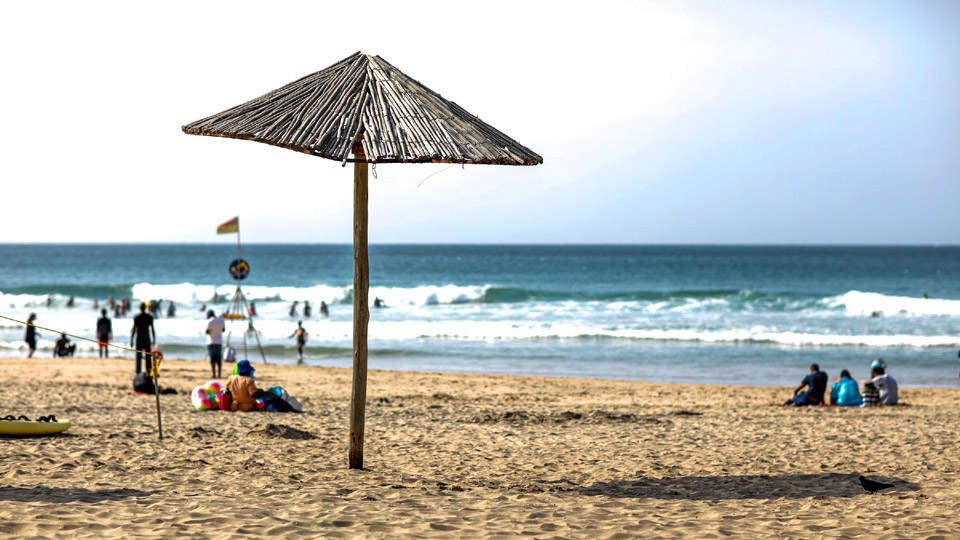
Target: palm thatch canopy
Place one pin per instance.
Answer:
(365, 99)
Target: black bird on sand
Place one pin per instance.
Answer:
(872, 486)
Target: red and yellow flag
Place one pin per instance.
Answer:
(230, 226)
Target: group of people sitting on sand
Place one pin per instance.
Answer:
(881, 389)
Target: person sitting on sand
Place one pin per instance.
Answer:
(816, 383)
(871, 396)
(64, 347)
(243, 389)
(886, 384)
(845, 392)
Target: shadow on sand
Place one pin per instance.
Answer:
(704, 488)
(61, 495)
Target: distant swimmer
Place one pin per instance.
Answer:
(876, 314)
(301, 334)
(293, 308)
(253, 309)
(306, 308)
(925, 295)
(70, 301)
(49, 300)
(324, 310)
(171, 309)
(216, 297)
(96, 305)
(30, 336)
(104, 333)
(378, 303)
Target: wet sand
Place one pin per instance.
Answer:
(469, 456)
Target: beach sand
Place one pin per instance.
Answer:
(469, 456)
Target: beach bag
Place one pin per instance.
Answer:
(294, 404)
(231, 355)
(143, 383)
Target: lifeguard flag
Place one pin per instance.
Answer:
(231, 226)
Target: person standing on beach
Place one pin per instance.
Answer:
(30, 336)
(816, 383)
(104, 334)
(144, 334)
(215, 329)
(301, 334)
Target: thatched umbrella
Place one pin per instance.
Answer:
(364, 107)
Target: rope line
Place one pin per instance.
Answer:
(148, 353)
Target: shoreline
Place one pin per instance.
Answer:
(450, 455)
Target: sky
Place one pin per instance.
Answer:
(733, 122)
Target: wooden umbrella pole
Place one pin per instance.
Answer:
(361, 309)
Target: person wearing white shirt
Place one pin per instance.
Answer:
(215, 327)
(886, 384)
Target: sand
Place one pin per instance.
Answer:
(469, 456)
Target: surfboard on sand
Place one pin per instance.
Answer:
(27, 428)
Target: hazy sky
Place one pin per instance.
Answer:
(658, 122)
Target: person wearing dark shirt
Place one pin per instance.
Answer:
(64, 347)
(104, 333)
(144, 335)
(816, 384)
(30, 336)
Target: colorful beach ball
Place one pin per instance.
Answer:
(202, 399)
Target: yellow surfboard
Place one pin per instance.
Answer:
(21, 428)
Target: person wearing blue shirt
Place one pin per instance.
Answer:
(816, 384)
(845, 392)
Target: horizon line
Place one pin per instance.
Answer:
(480, 244)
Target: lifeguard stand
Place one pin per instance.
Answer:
(239, 309)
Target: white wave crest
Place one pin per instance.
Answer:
(866, 303)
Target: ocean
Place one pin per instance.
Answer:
(750, 315)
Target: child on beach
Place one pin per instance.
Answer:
(871, 395)
(242, 388)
